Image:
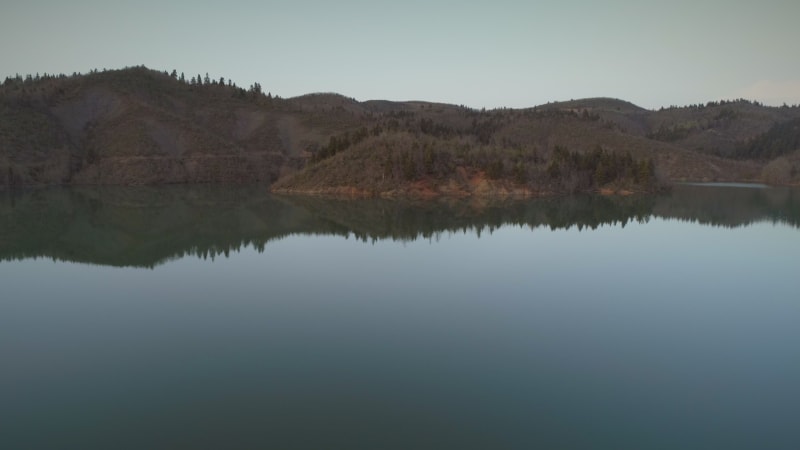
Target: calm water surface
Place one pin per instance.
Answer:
(227, 318)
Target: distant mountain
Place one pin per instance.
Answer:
(140, 126)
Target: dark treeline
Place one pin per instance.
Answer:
(779, 140)
(33, 82)
(148, 226)
(557, 170)
(714, 104)
(600, 167)
(677, 131)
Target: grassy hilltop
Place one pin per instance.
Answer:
(139, 126)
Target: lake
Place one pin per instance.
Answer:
(224, 317)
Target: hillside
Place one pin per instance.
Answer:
(139, 126)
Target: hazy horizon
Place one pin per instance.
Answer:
(506, 54)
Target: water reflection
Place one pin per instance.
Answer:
(146, 226)
(662, 335)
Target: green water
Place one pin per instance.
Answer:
(210, 317)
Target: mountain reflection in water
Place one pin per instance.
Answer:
(146, 226)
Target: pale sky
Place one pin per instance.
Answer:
(486, 54)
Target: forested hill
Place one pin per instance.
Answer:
(140, 126)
